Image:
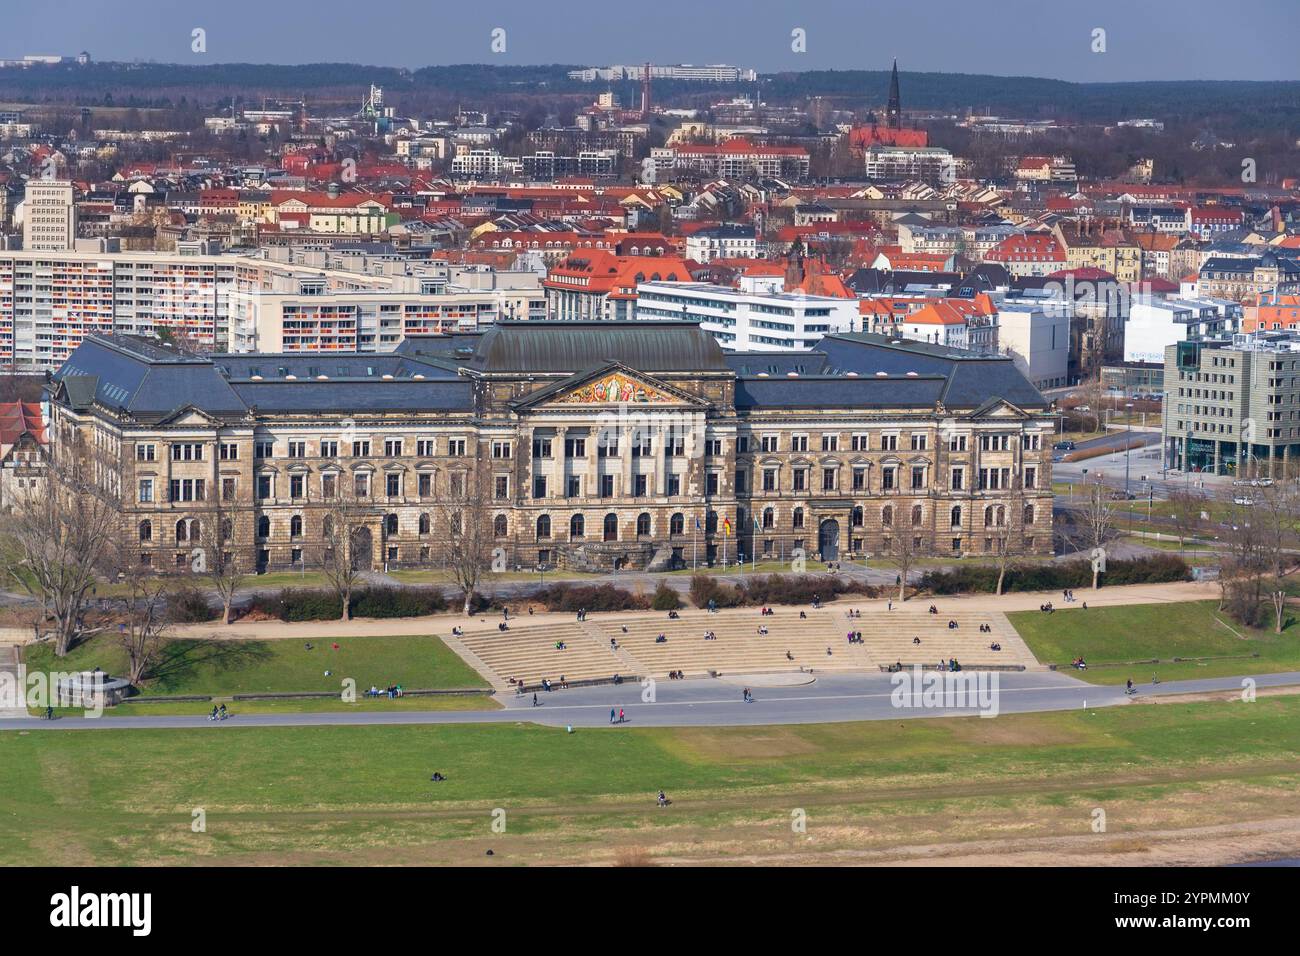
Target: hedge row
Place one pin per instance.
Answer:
(974, 578)
(773, 589)
(297, 604)
(591, 597)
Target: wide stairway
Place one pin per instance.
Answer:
(790, 643)
(889, 636)
(527, 651)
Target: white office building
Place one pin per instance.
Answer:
(49, 216)
(759, 316)
(1036, 334)
(1154, 323)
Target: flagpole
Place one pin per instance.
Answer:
(695, 546)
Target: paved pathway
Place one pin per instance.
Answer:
(706, 702)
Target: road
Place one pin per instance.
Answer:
(704, 702)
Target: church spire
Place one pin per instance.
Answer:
(894, 111)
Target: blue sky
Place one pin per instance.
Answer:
(1145, 39)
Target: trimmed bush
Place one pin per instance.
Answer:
(398, 602)
(591, 597)
(189, 605)
(665, 598)
(773, 589)
(975, 578)
(705, 588)
(300, 604)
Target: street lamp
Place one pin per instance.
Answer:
(1128, 434)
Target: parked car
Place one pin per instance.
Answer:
(1063, 446)
(1243, 500)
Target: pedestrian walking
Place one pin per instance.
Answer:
(611, 715)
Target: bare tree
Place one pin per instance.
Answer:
(1276, 508)
(901, 554)
(1093, 523)
(1242, 566)
(222, 568)
(1008, 534)
(142, 634)
(342, 525)
(58, 539)
(1093, 394)
(467, 522)
(1186, 507)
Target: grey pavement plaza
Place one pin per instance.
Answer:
(705, 702)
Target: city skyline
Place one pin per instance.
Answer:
(1030, 38)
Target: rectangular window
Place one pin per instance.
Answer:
(830, 442)
(361, 486)
(828, 479)
(265, 486)
(297, 486)
(918, 442)
(575, 448)
(264, 449)
(329, 449)
(187, 451)
(393, 486)
(674, 485)
(799, 443)
(740, 482)
(799, 479)
(770, 443)
(328, 485)
(711, 483)
(425, 448)
(958, 478)
(456, 447)
(918, 477)
(541, 448)
(424, 484)
(228, 451)
(146, 489)
(573, 487)
(227, 489)
(539, 486)
(144, 452)
(392, 448)
(887, 482)
(861, 442)
(859, 479)
(500, 449)
(607, 486)
(361, 449)
(640, 485)
(769, 479)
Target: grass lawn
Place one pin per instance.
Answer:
(1154, 631)
(349, 795)
(226, 667)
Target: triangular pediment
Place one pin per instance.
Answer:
(612, 384)
(189, 415)
(999, 408)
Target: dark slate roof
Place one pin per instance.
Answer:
(139, 376)
(837, 391)
(777, 363)
(971, 378)
(242, 366)
(547, 347)
(358, 396)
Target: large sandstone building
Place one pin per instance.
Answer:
(596, 445)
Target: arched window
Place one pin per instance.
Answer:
(1029, 514)
(182, 530)
(227, 529)
(499, 527)
(887, 516)
(326, 528)
(955, 518)
(769, 518)
(677, 523)
(426, 523)
(797, 519)
(988, 517)
(146, 530)
(858, 518)
(543, 526)
(577, 527)
(711, 522)
(643, 523)
(263, 526)
(295, 526)
(1002, 516)
(918, 515)
(390, 524)
(611, 527)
